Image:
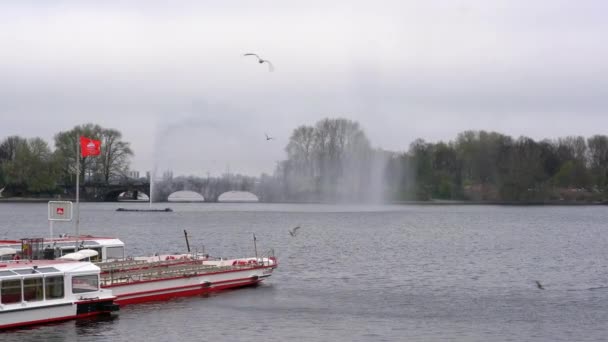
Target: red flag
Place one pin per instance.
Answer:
(89, 147)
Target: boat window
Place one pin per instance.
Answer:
(26, 272)
(53, 287)
(85, 283)
(32, 289)
(47, 269)
(115, 252)
(10, 291)
(65, 251)
(96, 258)
(7, 273)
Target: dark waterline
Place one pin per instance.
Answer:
(360, 273)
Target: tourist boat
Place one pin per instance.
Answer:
(142, 279)
(107, 248)
(43, 291)
(167, 276)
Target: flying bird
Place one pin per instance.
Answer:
(268, 137)
(294, 231)
(260, 60)
(539, 285)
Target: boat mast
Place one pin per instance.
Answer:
(255, 247)
(77, 191)
(187, 242)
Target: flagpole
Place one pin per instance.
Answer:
(255, 247)
(77, 191)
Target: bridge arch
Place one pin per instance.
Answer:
(133, 195)
(111, 192)
(238, 196)
(113, 195)
(211, 190)
(185, 196)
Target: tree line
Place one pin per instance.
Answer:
(480, 165)
(30, 167)
(334, 161)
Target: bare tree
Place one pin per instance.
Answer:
(113, 161)
(115, 153)
(300, 152)
(330, 161)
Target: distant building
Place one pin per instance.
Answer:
(167, 175)
(133, 174)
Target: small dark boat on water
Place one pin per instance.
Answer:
(165, 210)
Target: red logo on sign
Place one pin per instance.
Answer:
(59, 211)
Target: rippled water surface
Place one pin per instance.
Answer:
(359, 273)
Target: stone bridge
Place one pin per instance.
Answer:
(110, 192)
(209, 188)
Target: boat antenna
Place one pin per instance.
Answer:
(187, 243)
(255, 246)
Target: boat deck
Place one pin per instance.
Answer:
(124, 265)
(133, 271)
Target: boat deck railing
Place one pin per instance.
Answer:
(119, 265)
(137, 270)
(123, 276)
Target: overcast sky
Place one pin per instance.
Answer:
(171, 75)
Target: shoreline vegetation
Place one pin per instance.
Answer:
(333, 161)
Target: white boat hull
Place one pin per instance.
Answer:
(186, 285)
(25, 314)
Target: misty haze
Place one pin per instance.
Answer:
(417, 170)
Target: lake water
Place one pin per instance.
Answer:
(359, 273)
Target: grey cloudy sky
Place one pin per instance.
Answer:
(171, 76)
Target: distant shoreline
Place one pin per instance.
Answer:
(29, 200)
(431, 202)
(505, 203)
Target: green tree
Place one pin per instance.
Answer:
(524, 173)
(422, 158)
(32, 168)
(566, 176)
(550, 157)
(573, 172)
(11, 158)
(8, 153)
(43, 167)
(447, 172)
(598, 160)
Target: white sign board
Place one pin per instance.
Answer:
(60, 211)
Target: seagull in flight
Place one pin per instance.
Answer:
(268, 137)
(294, 231)
(260, 60)
(539, 285)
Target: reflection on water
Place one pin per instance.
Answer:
(360, 273)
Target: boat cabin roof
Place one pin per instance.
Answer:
(47, 267)
(89, 240)
(80, 255)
